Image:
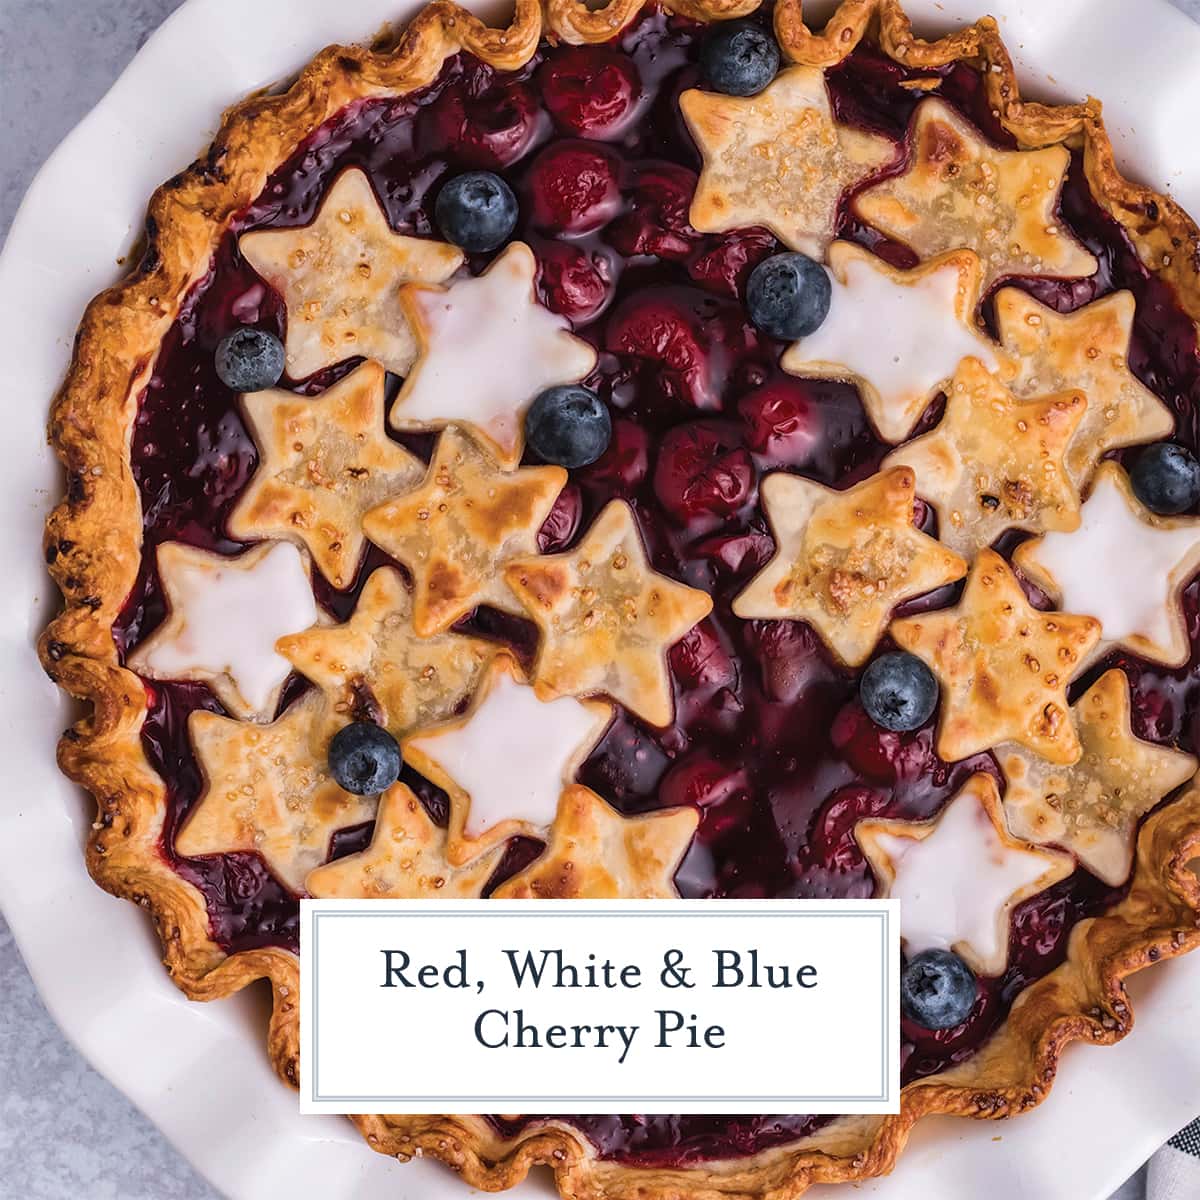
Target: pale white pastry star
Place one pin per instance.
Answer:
(505, 762)
(1124, 566)
(779, 159)
(959, 876)
(487, 350)
(224, 617)
(340, 278)
(899, 335)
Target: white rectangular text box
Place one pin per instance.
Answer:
(677, 1006)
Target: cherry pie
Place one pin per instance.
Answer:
(652, 451)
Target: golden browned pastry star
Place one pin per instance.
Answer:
(921, 325)
(960, 190)
(959, 876)
(376, 667)
(455, 529)
(595, 853)
(606, 618)
(1086, 351)
(844, 560)
(1092, 807)
(1004, 666)
(778, 159)
(995, 462)
(323, 462)
(406, 860)
(266, 790)
(340, 278)
(506, 760)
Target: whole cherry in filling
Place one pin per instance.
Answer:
(770, 740)
(590, 91)
(574, 187)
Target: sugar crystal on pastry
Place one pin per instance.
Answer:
(341, 276)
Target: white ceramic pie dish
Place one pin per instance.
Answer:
(198, 1071)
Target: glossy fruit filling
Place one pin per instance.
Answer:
(769, 740)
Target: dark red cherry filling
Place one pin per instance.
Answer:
(591, 91)
(783, 423)
(660, 195)
(704, 473)
(769, 741)
(573, 188)
(574, 279)
(684, 341)
(477, 124)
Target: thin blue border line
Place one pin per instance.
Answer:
(885, 1090)
(606, 912)
(555, 1099)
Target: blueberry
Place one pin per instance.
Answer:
(898, 691)
(364, 758)
(788, 296)
(476, 211)
(568, 426)
(739, 58)
(249, 360)
(937, 989)
(1166, 478)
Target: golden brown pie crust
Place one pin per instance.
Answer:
(93, 547)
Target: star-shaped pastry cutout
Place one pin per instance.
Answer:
(921, 324)
(1086, 351)
(844, 560)
(1124, 566)
(376, 667)
(995, 462)
(487, 350)
(406, 860)
(340, 278)
(778, 159)
(324, 461)
(595, 853)
(959, 877)
(505, 762)
(961, 191)
(455, 529)
(1093, 806)
(266, 790)
(606, 618)
(1004, 666)
(224, 616)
